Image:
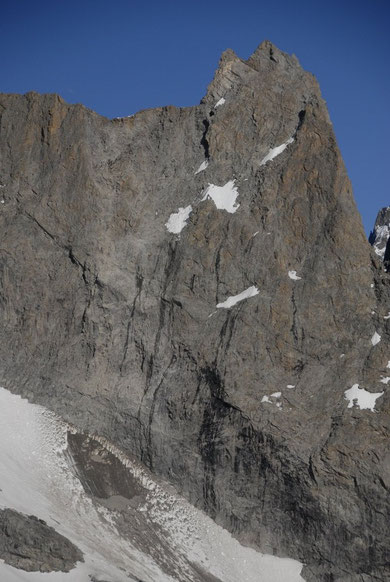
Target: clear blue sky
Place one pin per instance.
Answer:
(120, 56)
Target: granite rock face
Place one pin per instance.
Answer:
(28, 543)
(120, 239)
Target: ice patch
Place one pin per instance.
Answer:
(233, 300)
(376, 338)
(293, 275)
(224, 197)
(202, 167)
(362, 398)
(273, 152)
(178, 220)
(220, 102)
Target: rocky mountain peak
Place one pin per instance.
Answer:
(379, 236)
(195, 285)
(268, 55)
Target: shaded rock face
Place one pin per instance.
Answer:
(110, 317)
(28, 543)
(379, 237)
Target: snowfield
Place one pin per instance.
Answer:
(35, 478)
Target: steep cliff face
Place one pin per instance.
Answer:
(196, 286)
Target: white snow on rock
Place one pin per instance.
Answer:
(220, 102)
(376, 338)
(202, 167)
(224, 197)
(273, 152)
(293, 275)
(233, 300)
(387, 316)
(290, 385)
(255, 233)
(275, 396)
(362, 398)
(35, 478)
(388, 364)
(385, 379)
(178, 220)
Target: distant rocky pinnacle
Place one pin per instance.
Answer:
(379, 237)
(195, 285)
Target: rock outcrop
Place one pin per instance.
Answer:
(195, 285)
(28, 543)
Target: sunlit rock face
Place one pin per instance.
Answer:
(195, 285)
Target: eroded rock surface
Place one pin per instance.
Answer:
(110, 318)
(28, 543)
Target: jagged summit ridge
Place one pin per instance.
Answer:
(196, 286)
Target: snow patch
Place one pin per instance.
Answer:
(275, 396)
(385, 380)
(255, 233)
(376, 338)
(233, 300)
(202, 167)
(222, 101)
(387, 316)
(273, 152)
(290, 385)
(224, 197)
(362, 398)
(293, 275)
(178, 220)
(35, 478)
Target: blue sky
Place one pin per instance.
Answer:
(118, 56)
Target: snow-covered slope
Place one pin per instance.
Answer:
(35, 478)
